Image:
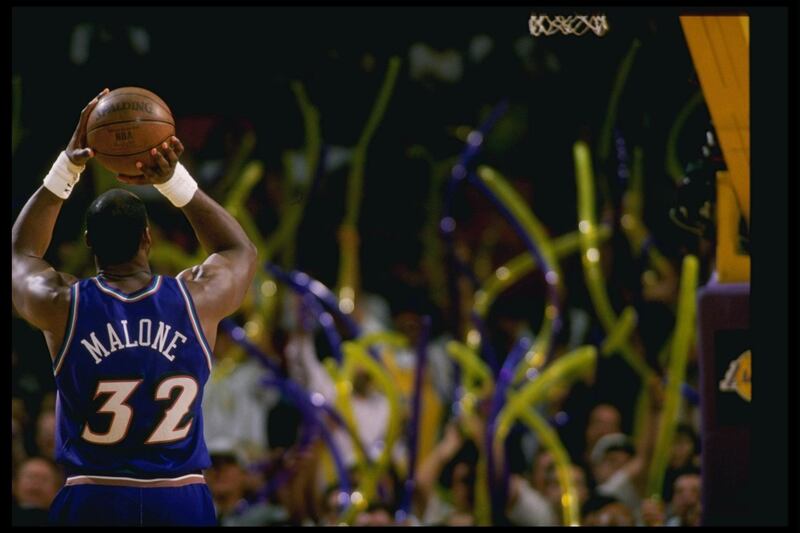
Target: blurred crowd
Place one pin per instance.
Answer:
(266, 469)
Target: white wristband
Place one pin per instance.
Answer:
(180, 188)
(63, 176)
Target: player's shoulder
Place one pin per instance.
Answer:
(210, 286)
(215, 267)
(44, 298)
(210, 278)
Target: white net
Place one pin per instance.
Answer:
(568, 25)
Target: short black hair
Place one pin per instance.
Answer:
(115, 222)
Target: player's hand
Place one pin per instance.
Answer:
(160, 166)
(77, 150)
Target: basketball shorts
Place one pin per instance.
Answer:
(107, 505)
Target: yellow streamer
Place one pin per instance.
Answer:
(520, 405)
(681, 345)
(511, 272)
(570, 507)
(348, 256)
(534, 230)
(631, 221)
(673, 164)
(356, 356)
(292, 213)
(590, 257)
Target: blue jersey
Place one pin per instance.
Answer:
(130, 376)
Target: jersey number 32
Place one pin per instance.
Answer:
(122, 414)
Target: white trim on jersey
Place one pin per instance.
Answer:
(188, 479)
(195, 320)
(119, 295)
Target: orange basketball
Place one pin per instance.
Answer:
(124, 127)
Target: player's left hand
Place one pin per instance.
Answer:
(77, 150)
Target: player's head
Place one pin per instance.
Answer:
(116, 227)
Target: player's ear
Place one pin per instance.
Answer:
(147, 239)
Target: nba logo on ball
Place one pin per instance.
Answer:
(125, 125)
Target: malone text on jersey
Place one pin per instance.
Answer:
(159, 343)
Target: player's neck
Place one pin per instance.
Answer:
(127, 276)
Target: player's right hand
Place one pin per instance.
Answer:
(77, 151)
(161, 164)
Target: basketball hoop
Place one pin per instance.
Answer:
(569, 25)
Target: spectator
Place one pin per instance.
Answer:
(18, 420)
(229, 485)
(527, 504)
(34, 488)
(46, 434)
(235, 404)
(542, 463)
(686, 505)
(553, 492)
(619, 466)
(452, 465)
(615, 464)
(684, 454)
(605, 511)
(370, 406)
(333, 501)
(604, 419)
(653, 512)
(377, 514)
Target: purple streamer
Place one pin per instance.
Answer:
(308, 410)
(504, 381)
(413, 427)
(486, 349)
(552, 290)
(302, 283)
(690, 394)
(301, 401)
(623, 173)
(328, 325)
(448, 225)
(239, 336)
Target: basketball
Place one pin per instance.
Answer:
(126, 124)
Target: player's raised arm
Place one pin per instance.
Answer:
(219, 284)
(39, 293)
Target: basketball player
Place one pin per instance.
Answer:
(131, 349)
